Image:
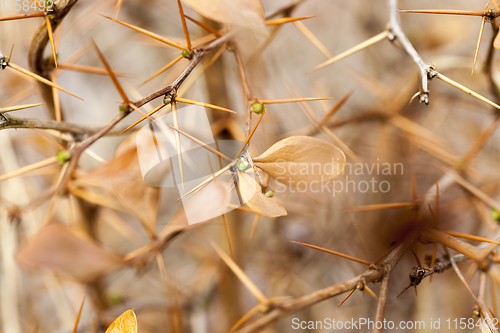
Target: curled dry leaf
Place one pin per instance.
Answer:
(124, 173)
(56, 248)
(244, 13)
(125, 323)
(251, 194)
(302, 158)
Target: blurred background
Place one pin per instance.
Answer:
(200, 293)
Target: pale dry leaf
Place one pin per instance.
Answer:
(123, 172)
(56, 248)
(302, 158)
(125, 323)
(251, 194)
(496, 42)
(243, 13)
(210, 202)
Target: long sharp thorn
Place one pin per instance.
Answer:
(445, 12)
(91, 70)
(19, 107)
(401, 293)
(51, 38)
(39, 78)
(342, 255)
(359, 47)
(22, 16)
(178, 142)
(117, 8)
(478, 43)
(150, 113)
(204, 26)
(336, 107)
(247, 140)
(370, 292)
(78, 316)
(472, 237)
(345, 299)
(23, 170)
(466, 90)
(294, 100)
(164, 68)
(111, 74)
(313, 39)
(201, 143)
(228, 235)
(211, 106)
(416, 257)
(241, 275)
(208, 180)
(184, 25)
(57, 100)
(287, 20)
(148, 33)
(10, 54)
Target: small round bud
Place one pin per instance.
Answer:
(230, 49)
(51, 16)
(475, 313)
(186, 54)
(123, 108)
(269, 193)
(495, 215)
(360, 285)
(242, 165)
(63, 156)
(167, 100)
(258, 108)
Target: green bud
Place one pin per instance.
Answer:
(167, 100)
(360, 285)
(123, 108)
(230, 49)
(51, 16)
(63, 156)
(495, 215)
(186, 54)
(258, 108)
(115, 298)
(476, 313)
(242, 165)
(269, 193)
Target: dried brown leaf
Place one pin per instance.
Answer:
(124, 173)
(252, 195)
(125, 323)
(56, 248)
(302, 158)
(244, 13)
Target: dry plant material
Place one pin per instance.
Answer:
(19, 107)
(302, 158)
(123, 173)
(56, 248)
(125, 323)
(210, 202)
(244, 13)
(251, 194)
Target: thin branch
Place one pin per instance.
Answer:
(397, 33)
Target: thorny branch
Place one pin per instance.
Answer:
(397, 33)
